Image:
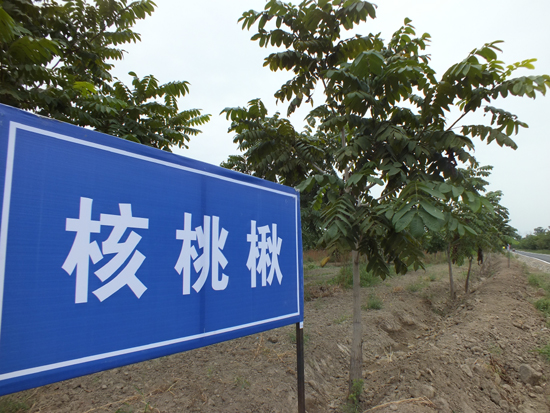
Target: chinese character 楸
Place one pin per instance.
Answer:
(264, 252)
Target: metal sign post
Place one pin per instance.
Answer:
(113, 253)
(300, 367)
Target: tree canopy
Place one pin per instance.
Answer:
(56, 60)
(385, 121)
(538, 240)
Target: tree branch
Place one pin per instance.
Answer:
(386, 195)
(315, 166)
(456, 121)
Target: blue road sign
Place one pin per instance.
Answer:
(113, 253)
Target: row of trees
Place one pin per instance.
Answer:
(538, 240)
(384, 121)
(385, 162)
(468, 234)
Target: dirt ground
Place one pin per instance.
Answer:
(421, 354)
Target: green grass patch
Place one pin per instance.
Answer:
(415, 287)
(345, 277)
(537, 251)
(543, 305)
(373, 303)
(539, 280)
(241, 382)
(308, 266)
(534, 280)
(292, 338)
(434, 259)
(544, 351)
(8, 405)
(354, 398)
(340, 319)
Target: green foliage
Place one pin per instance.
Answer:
(473, 221)
(415, 287)
(241, 382)
(8, 405)
(385, 121)
(538, 241)
(373, 303)
(354, 397)
(341, 319)
(292, 337)
(539, 280)
(273, 150)
(544, 351)
(142, 117)
(345, 277)
(310, 266)
(56, 58)
(543, 305)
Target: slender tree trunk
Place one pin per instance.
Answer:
(467, 284)
(344, 144)
(451, 281)
(356, 361)
(356, 365)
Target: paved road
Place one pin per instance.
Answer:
(542, 257)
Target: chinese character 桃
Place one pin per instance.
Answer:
(211, 240)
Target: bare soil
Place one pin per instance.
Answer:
(422, 353)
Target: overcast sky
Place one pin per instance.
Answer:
(202, 43)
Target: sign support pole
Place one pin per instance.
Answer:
(300, 367)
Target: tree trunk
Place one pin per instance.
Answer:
(344, 144)
(451, 281)
(356, 362)
(467, 284)
(356, 365)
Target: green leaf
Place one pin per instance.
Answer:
(402, 211)
(404, 222)
(354, 179)
(487, 204)
(457, 191)
(433, 224)
(430, 209)
(332, 231)
(445, 188)
(453, 223)
(475, 205)
(417, 227)
(306, 185)
(432, 192)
